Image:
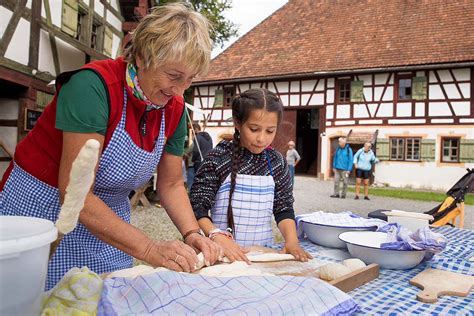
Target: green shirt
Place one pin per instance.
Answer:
(82, 108)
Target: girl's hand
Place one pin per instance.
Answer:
(232, 250)
(298, 252)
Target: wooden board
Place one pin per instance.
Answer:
(345, 283)
(436, 283)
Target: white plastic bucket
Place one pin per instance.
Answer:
(24, 251)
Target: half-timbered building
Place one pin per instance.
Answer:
(39, 40)
(398, 74)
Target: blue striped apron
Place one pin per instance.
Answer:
(252, 206)
(123, 167)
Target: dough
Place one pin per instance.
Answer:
(135, 271)
(252, 256)
(354, 264)
(81, 178)
(333, 271)
(235, 269)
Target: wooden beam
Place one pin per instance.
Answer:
(52, 40)
(33, 54)
(9, 123)
(11, 27)
(18, 73)
(129, 26)
(90, 22)
(72, 41)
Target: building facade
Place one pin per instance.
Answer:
(412, 97)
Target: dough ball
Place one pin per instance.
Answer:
(333, 271)
(354, 264)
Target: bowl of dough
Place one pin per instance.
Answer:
(367, 247)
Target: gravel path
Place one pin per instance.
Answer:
(310, 195)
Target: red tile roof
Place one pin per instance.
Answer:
(306, 36)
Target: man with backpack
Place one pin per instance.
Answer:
(342, 166)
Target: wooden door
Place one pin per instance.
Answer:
(286, 131)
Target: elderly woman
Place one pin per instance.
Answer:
(134, 107)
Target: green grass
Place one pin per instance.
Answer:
(410, 194)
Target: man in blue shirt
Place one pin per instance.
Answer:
(342, 166)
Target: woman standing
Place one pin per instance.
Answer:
(133, 106)
(363, 161)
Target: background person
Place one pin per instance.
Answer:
(292, 158)
(363, 161)
(342, 166)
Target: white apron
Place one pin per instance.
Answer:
(252, 206)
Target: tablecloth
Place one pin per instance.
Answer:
(391, 293)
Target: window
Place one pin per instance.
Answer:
(229, 93)
(404, 89)
(405, 149)
(344, 91)
(450, 150)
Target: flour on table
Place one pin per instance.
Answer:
(234, 269)
(135, 272)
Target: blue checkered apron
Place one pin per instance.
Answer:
(123, 167)
(252, 206)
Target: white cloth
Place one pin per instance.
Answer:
(342, 219)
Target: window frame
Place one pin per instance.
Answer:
(228, 99)
(450, 138)
(343, 82)
(404, 148)
(404, 77)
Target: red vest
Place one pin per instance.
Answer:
(39, 153)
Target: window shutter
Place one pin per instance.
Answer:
(219, 98)
(419, 87)
(357, 91)
(428, 149)
(108, 40)
(466, 150)
(382, 149)
(69, 17)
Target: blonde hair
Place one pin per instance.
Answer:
(173, 32)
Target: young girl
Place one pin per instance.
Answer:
(256, 178)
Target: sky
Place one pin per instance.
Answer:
(246, 14)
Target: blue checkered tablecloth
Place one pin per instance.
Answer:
(391, 293)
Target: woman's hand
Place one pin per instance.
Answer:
(232, 250)
(211, 250)
(298, 252)
(174, 255)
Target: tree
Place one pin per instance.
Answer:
(212, 10)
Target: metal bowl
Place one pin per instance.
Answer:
(366, 247)
(327, 235)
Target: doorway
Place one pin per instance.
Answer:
(307, 137)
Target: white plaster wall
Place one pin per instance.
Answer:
(115, 5)
(462, 74)
(18, 47)
(115, 45)
(56, 11)
(330, 96)
(294, 86)
(316, 99)
(404, 109)
(5, 16)
(343, 111)
(307, 85)
(360, 110)
(439, 109)
(114, 21)
(294, 100)
(45, 59)
(282, 86)
(99, 7)
(70, 58)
